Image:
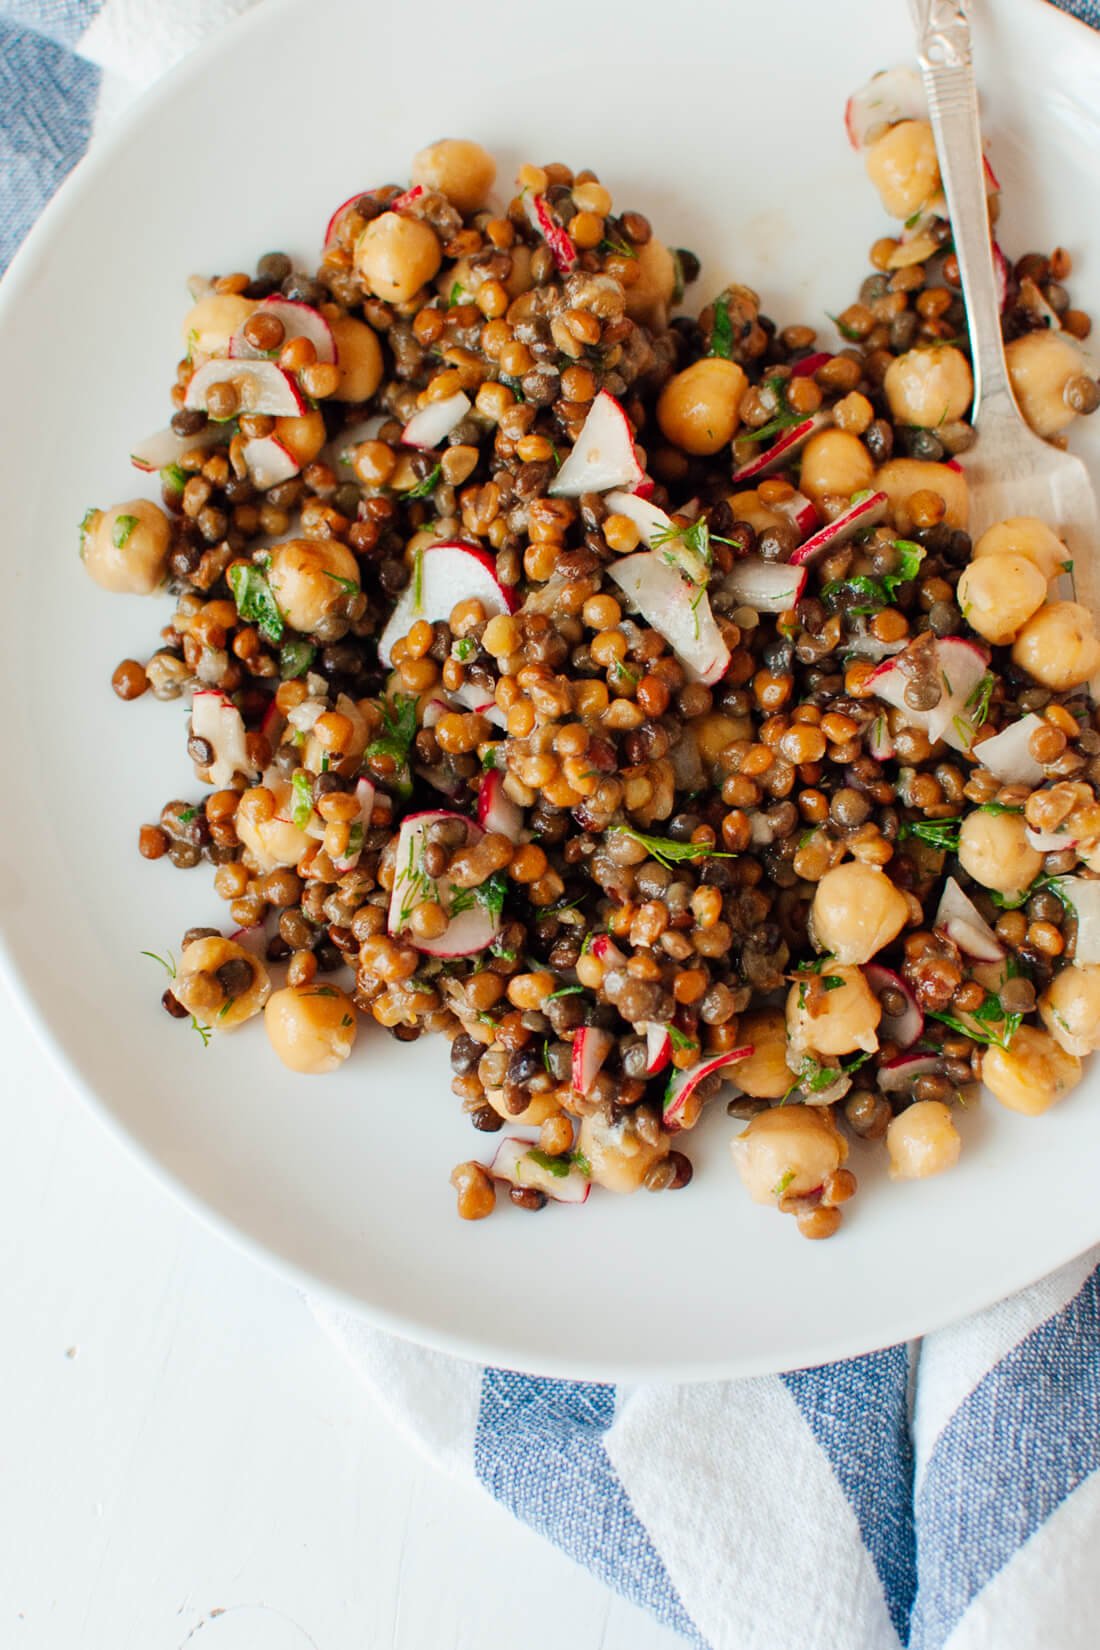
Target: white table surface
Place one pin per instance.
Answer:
(185, 1457)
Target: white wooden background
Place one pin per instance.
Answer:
(185, 1458)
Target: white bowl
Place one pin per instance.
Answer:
(725, 126)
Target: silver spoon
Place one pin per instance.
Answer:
(1010, 470)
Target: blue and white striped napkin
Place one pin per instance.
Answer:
(941, 1495)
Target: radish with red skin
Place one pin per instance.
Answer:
(810, 364)
(263, 387)
(543, 221)
(961, 665)
(298, 320)
(646, 487)
(165, 447)
(473, 929)
(446, 574)
(679, 610)
(591, 1046)
(364, 796)
(495, 809)
(800, 511)
(658, 1046)
(1007, 755)
(472, 697)
(603, 455)
(894, 1076)
(959, 919)
(889, 97)
(682, 1084)
(905, 1028)
(785, 447)
(604, 949)
(1083, 898)
(269, 462)
(868, 512)
(217, 720)
(431, 426)
(651, 522)
(765, 586)
(515, 1164)
(880, 741)
(398, 204)
(1049, 842)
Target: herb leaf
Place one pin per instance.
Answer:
(121, 531)
(425, 488)
(669, 853)
(295, 659)
(721, 337)
(255, 602)
(564, 991)
(559, 1167)
(302, 792)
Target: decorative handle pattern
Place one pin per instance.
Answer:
(943, 43)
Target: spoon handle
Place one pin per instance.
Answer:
(943, 47)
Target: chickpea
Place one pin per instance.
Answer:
(749, 506)
(220, 983)
(312, 1027)
(300, 582)
(929, 386)
(395, 256)
(358, 359)
(1025, 536)
(617, 1153)
(458, 168)
(648, 299)
(277, 840)
(835, 461)
(765, 1074)
(846, 1018)
(788, 1151)
(208, 327)
(541, 1107)
(1031, 1075)
(304, 436)
(698, 408)
(922, 1141)
(998, 594)
(900, 478)
(994, 850)
(856, 911)
(1040, 365)
(1070, 1008)
(1058, 646)
(903, 167)
(125, 549)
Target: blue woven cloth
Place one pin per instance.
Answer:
(946, 1496)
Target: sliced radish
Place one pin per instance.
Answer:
(298, 321)
(495, 809)
(648, 519)
(658, 1047)
(676, 608)
(684, 1083)
(515, 1163)
(961, 665)
(364, 796)
(603, 456)
(959, 918)
(800, 511)
(401, 203)
(591, 1046)
(890, 96)
(471, 929)
(867, 512)
(542, 220)
(880, 741)
(1008, 756)
(604, 949)
(446, 575)
(261, 386)
(269, 461)
(431, 426)
(344, 206)
(1083, 899)
(646, 487)
(810, 364)
(217, 720)
(165, 447)
(783, 448)
(894, 1076)
(766, 586)
(866, 646)
(902, 1028)
(472, 697)
(1050, 842)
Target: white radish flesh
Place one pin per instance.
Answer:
(298, 320)
(495, 809)
(446, 574)
(515, 1164)
(261, 386)
(431, 426)
(269, 462)
(165, 447)
(603, 456)
(217, 720)
(903, 1028)
(591, 1046)
(1008, 754)
(766, 586)
(473, 929)
(868, 512)
(959, 918)
(676, 608)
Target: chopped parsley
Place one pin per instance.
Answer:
(173, 477)
(879, 592)
(187, 815)
(669, 853)
(464, 649)
(418, 580)
(782, 1183)
(399, 722)
(295, 659)
(978, 701)
(846, 331)
(169, 966)
(988, 1024)
(490, 894)
(302, 799)
(351, 585)
(489, 758)
(944, 833)
(121, 531)
(557, 1166)
(581, 1163)
(455, 296)
(679, 1039)
(721, 336)
(255, 602)
(621, 248)
(85, 524)
(686, 548)
(564, 991)
(425, 488)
